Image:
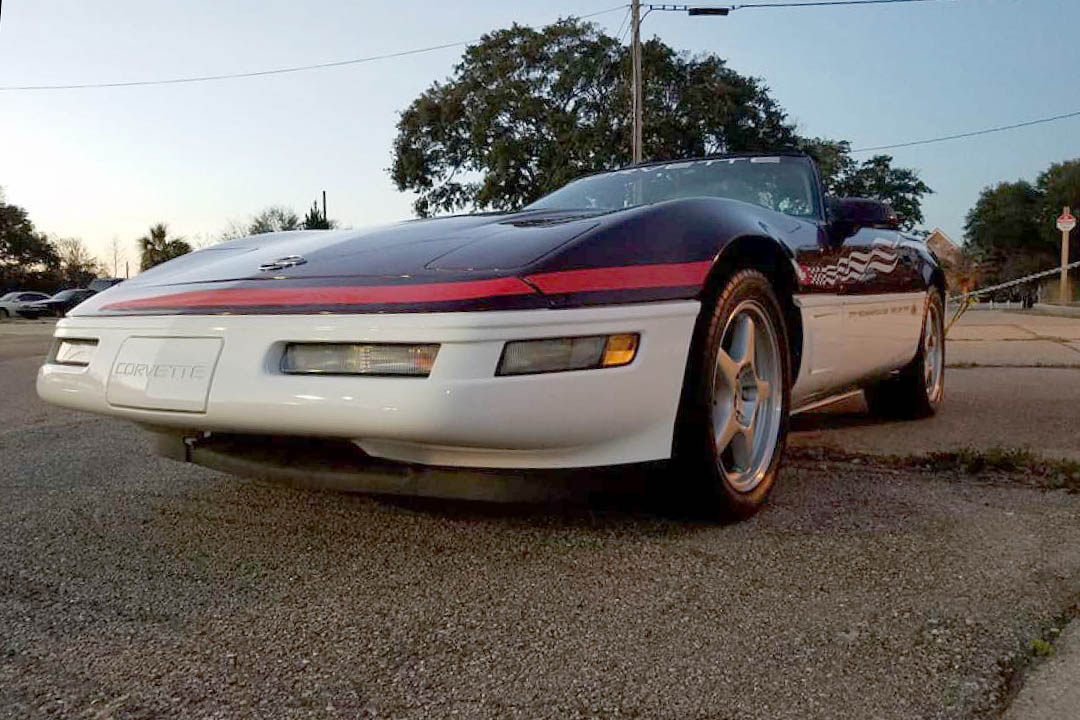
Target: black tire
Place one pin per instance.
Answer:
(4, 314)
(710, 466)
(912, 393)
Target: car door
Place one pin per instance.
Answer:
(31, 297)
(883, 302)
(827, 278)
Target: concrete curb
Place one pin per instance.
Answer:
(1069, 311)
(1051, 691)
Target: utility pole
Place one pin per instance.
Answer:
(635, 81)
(324, 206)
(636, 87)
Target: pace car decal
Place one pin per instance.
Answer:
(882, 259)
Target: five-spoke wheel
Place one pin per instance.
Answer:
(746, 408)
(734, 417)
(916, 390)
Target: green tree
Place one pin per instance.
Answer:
(275, 218)
(528, 110)
(877, 178)
(157, 247)
(1002, 231)
(1060, 186)
(26, 256)
(833, 158)
(77, 266)
(316, 220)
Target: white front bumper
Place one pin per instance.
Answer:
(461, 415)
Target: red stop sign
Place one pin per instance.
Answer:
(1066, 222)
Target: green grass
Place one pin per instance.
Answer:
(573, 541)
(1051, 473)
(996, 462)
(1042, 648)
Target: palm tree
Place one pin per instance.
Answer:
(156, 247)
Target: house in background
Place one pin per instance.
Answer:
(960, 269)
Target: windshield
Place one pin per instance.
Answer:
(8, 297)
(782, 183)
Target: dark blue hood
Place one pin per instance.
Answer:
(466, 243)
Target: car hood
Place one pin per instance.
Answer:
(419, 251)
(472, 243)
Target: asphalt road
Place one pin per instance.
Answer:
(1013, 381)
(135, 587)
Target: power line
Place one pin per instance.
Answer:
(263, 73)
(974, 133)
(816, 3)
(819, 3)
(822, 3)
(234, 76)
(619, 32)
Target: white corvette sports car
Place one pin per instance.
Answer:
(665, 310)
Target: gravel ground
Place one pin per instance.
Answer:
(135, 587)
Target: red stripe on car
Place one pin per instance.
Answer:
(349, 295)
(627, 277)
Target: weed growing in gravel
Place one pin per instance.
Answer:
(972, 461)
(574, 542)
(1042, 648)
(1021, 463)
(1056, 474)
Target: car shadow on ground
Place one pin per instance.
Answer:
(848, 413)
(644, 498)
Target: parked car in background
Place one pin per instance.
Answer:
(10, 303)
(101, 284)
(58, 304)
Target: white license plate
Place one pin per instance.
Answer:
(164, 373)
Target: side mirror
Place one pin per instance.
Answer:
(846, 216)
(839, 228)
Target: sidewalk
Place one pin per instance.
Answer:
(1051, 691)
(1071, 311)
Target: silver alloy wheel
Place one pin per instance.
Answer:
(933, 355)
(747, 396)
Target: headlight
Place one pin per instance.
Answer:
(359, 359)
(70, 351)
(524, 357)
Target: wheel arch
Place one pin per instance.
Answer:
(766, 255)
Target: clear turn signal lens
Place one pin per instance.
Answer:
(359, 359)
(528, 357)
(69, 351)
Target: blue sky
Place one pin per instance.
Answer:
(107, 163)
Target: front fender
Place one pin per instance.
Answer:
(666, 251)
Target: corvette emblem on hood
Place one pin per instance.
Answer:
(282, 263)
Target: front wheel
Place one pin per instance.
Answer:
(4, 314)
(735, 407)
(920, 385)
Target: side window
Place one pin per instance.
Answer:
(27, 297)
